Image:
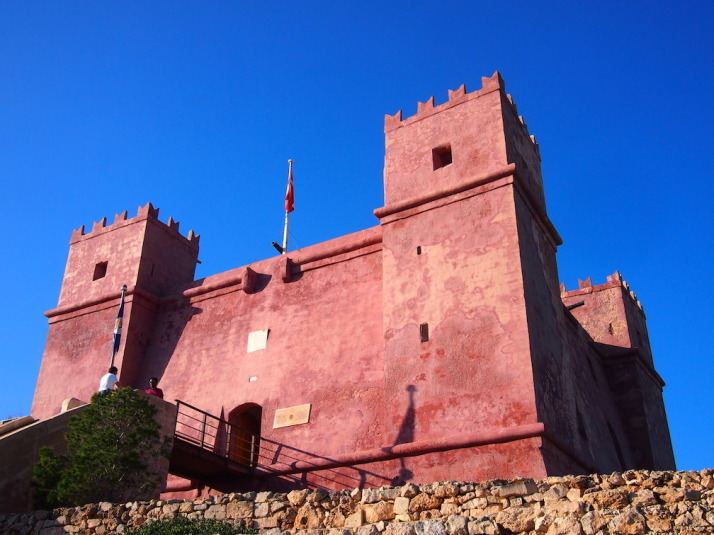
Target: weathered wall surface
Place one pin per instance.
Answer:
(306, 359)
(621, 503)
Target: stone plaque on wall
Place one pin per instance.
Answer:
(258, 340)
(300, 414)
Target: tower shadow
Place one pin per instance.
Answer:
(405, 436)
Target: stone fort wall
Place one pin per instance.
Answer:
(632, 502)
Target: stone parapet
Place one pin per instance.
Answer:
(631, 502)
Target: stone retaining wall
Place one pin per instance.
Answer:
(630, 503)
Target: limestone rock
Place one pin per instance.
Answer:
(555, 492)
(476, 503)
(388, 493)
(265, 523)
(516, 519)
(430, 527)
(607, 499)
(465, 497)
(278, 505)
(565, 526)
(236, 510)
(643, 498)
(355, 520)
(616, 480)
(566, 507)
(543, 522)
(401, 505)
(484, 526)
(378, 511)
(457, 525)
(370, 495)
(262, 509)
(423, 502)
(449, 509)
(217, 512)
(400, 529)
(185, 507)
(370, 529)
(659, 519)
(316, 496)
(574, 494)
(593, 521)
(334, 519)
(519, 488)
(629, 522)
(409, 490)
(286, 518)
(262, 497)
(446, 490)
(297, 497)
(429, 514)
(669, 495)
(309, 517)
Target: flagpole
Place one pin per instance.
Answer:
(288, 206)
(285, 232)
(117, 325)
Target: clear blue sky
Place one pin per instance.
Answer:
(197, 106)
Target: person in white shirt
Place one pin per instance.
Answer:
(109, 381)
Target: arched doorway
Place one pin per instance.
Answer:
(244, 433)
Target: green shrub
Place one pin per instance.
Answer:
(184, 526)
(111, 447)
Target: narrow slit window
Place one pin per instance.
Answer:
(100, 270)
(581, 426)
(424, 332)
(418, 249)
(441, 156)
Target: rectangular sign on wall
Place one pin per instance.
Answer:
(258, 340)
(300, 414)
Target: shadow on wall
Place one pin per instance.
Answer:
(275, 455)
(162, 349)
(405, 435)
(280, 467)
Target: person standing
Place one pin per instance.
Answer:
(154, 389)
(109, 381)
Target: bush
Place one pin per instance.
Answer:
(184, 526)
(110, 448)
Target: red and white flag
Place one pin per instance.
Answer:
(290, 193)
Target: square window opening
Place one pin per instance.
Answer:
(441, 156)
(100, 270)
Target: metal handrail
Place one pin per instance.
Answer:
(204, 430)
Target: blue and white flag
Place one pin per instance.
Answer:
(117, 325)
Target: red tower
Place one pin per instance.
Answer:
(152, 259)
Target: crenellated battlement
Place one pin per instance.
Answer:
(455, 97)
(586, 287)
(143, 213)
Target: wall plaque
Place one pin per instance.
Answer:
(258, 340)
(300, 414)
